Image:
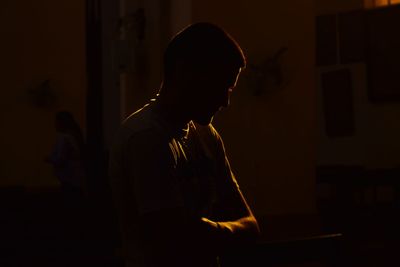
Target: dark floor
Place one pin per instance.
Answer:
(370, 236)
(40, 229)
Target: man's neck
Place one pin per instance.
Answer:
(173, 111)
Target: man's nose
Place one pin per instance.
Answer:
(226, 102)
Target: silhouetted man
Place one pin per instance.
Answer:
(177, 199)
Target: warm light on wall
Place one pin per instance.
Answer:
(379, 3)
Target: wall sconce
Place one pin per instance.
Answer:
(267, 75)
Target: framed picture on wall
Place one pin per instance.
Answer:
(337, 100)
(326, 40)
(351, 29)
(383, 54)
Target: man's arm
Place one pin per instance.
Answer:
(169, 234)
(233, 216)
(238, 225)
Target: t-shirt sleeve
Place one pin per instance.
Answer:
(149, 162)
(230, 205)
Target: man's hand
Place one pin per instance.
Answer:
(232, 233)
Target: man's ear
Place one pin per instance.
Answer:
(187, 73)
(179, 73)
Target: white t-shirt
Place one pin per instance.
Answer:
(153, 167)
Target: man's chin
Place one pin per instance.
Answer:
(203, 121)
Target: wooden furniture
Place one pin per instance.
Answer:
(350, 185)
(289, 240)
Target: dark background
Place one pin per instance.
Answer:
(312, 131)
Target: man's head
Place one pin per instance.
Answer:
(202, 64)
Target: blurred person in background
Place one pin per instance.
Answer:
(68, 157)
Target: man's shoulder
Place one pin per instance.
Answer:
(139, 126)
(138, 121)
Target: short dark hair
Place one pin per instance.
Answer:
(201, 44)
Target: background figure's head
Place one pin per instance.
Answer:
(201, 65)
(65, 121)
